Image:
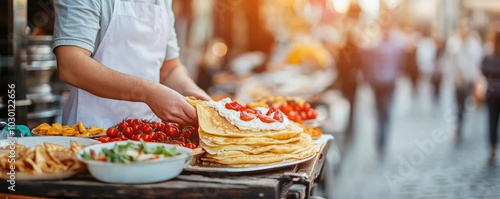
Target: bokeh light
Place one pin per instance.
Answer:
(219, 49)
(341, 6)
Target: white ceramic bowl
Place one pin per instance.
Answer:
(140, 172)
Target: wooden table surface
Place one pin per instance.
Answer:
(273, 184)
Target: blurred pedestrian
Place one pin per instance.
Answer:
(411, 67)
(381, 64)
(491, 70)
(465, 52)
(348, 68)
(437, 73)
(429, 55)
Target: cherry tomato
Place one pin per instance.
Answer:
(104, 139)
(128, 131)
(130, 122)
(278, 116)
(154, 125)
(117, 139)
(136, 127)
(161, 126)
(296, 107)
(122, 125)
(137, 121)
(311, 114)
(294, 116)
(191, 146)
(146, 137)
(246, 116)
(146, 129)
(112, 132)
(161, 135)
(122, 137)
(172, 131)
(306, 107)
(286, 109)
(136, 137)
(187, 132)
(266, 119)
(303, 115)
(234, 106)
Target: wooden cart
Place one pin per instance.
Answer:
(293, 182)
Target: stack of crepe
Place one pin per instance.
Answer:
(227, 145)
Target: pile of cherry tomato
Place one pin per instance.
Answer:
(152, 131)
(297, 111)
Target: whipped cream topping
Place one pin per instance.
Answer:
(254, 125)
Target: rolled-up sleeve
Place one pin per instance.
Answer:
(77, 23)
(173, 50)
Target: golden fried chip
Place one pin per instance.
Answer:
(53, 131)
(40, 155)
(96, 131)
(55, 147)
(81, 128)
(68, 132)
(58, 126)
(74, 147)
(85, 134)
(42, 129)
(44, 125)
(75, 127)
(46, 159)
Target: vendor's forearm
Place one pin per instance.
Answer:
(177, 77)
(78, 69)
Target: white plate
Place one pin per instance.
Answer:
(34, 141)
(212, 169)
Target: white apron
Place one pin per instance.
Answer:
(135, 43)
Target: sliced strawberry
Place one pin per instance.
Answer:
(247, 116)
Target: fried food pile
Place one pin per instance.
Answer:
(227, 145)
(47, 159)
(77, 130)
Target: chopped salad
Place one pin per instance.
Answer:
(130, 153)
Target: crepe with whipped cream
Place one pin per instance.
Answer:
(229, 144)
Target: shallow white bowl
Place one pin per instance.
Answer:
(140, 172)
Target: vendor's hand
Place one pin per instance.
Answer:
(197, 92)
(171, 106)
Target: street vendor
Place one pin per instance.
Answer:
(122, 59)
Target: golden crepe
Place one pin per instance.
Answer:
(211, 140)
(302, 142)
(264, 158)
(228, 145)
